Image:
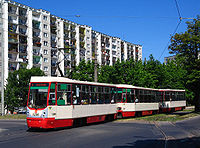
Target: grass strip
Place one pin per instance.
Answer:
(18, 116)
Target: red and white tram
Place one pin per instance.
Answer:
(172, 100)
(55, 102)
(60, 102)
(138, 101)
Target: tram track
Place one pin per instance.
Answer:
(162, 132)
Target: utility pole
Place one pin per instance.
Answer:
(95, 61)
(2, 62)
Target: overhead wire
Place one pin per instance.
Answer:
(180, 20)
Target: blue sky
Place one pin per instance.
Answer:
(146, 22)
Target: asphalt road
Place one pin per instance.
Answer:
(117, 134)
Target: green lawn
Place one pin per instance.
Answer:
(19, 116)
(172, 117)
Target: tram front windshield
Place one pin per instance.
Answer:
(38, 95)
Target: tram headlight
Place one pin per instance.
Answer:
(119, 108)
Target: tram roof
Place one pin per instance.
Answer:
(66, 80)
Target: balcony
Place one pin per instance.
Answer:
(37, 43)
(66, 37)
(36, 16)
(22, 12)
(23, 65)
(53, 38)
(12, 28)
(82, 44)
(12, 20)
(12, 68)
(36, 59)
(23, 49)
(72, 28)
(12, 59)
(53, 63)
(81, 39)
(12, 50)
(53, 30)
(22, 21)
(66, 26)
(15, 41)
(36, 24)
(12, 47)
(36, 34)
(22, 40)
(82, 31)
(12, 10)
(53, 22)
(53, 44)
(22, 31)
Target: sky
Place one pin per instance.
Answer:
(149, 23)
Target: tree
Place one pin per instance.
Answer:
(187, 47)
(16, 91)
(84, 71)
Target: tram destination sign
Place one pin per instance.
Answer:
(39, 85)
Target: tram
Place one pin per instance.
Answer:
(55, 102)
(172, 100)
(136, 101)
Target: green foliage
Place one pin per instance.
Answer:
(187, 46)
(16, 92)
(150, 73)
(84, 71)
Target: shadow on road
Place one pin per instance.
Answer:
(183, 143)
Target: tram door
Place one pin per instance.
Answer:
(52, 99)
(52, 96)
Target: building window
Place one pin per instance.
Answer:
(44, 17)
(45, 26)
(45, 68)
(45, 43)
(45, 35)
(45, 60)
(45, 52)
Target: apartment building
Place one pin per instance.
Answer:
(36, 38)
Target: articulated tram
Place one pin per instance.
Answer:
(55, 102)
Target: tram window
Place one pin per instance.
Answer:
(107, 89)
(107, 98)
(87, 88)
(101, 98)
(132, 95)
(173, 96)
(129, 99)
(113, 93)
(118, 97)
(76, 94)
(85, 98)
(63, 87)
(141, 96)
(167, 96)
(52, 97)
(93, 98)
(83, 88)
(63, 94)
(99, 89)
(137, 96)
(93, 89)
(159, 96)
